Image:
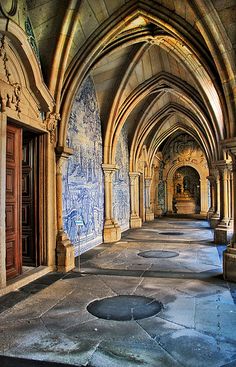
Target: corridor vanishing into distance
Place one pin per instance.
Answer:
(164, 303)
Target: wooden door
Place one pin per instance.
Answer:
(29, 200)
(13, 201)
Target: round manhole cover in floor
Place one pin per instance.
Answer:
(158, 254)
(124, 308)
(171, 233)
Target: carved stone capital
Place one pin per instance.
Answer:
(62, 154)
(133, 176)
(51, 122)
(148, 181)
(211, 179)
(109, 170)
(229, 146)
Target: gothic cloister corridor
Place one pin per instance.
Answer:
(118, 183)
(48, 320)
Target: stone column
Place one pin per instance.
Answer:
(112, 231)
(230, 190)
(158, 209)
(149, 213)
(204, 197)
(215, 219)
(222, 229)
(3, 127)
(229, 256)
(64, 248)
(225, 220)
(212, 208)
(135, 220)
(169, 192)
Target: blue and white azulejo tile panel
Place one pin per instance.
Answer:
(83, 182)
(121, 188)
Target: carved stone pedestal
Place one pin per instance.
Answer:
(185, 204)
(65, 253)
(111, 232)
(135, 222)
(229, 264)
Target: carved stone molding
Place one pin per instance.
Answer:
(10, 92)
(51, 122)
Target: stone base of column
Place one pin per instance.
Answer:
(149, 216)
(229, 264)
(111, 232)
(158, 212)
(231, 224)
(203, 214)
(135, 221)
(222, 234)
(210, 213)
(65, 253)
(214, 221)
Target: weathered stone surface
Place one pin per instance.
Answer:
(49, 320)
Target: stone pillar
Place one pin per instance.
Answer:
(3, 127)
(204, 196)
(215, 219)
(169, 192)
(158, 209)
(229, 256)
(222, 230)
(112, 231)
(64, 248)
(231, 198)
(135, 220)
(149, 213)
(212, 208)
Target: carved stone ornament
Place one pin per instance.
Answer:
(10, 93)
(51, 124)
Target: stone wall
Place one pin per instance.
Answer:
(121, 190)
(83, 182)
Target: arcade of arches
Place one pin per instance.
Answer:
(113, 113)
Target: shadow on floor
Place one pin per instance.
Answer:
(23, 362)
(11, 299)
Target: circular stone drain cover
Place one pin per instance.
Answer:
(171, 233)
(124, 308)
(158, 254)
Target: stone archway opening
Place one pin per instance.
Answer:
(187, 197)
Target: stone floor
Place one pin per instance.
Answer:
(47, 323)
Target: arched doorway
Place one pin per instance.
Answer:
(186, 198)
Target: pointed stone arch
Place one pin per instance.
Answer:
(203, 173)
(97, 43)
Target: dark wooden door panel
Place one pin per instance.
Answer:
(29, 199)
(13, 201)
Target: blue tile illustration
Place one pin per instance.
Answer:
(121, 189)
(83, 181)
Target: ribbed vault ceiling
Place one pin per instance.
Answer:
(150, 62)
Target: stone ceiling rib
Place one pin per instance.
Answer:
(176, 40)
